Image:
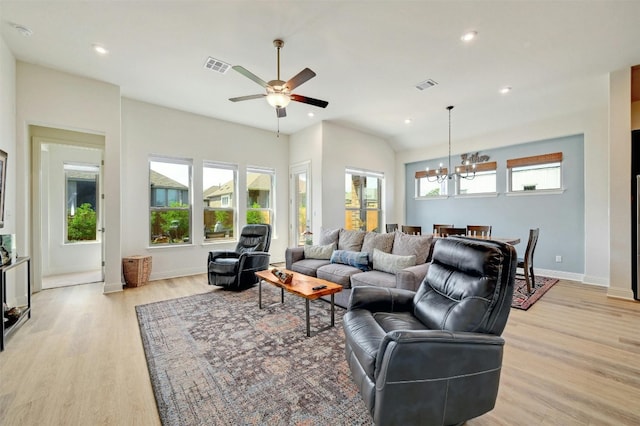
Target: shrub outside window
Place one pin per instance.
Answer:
(537, 173)
(219, 183)
(169, 201)
(260, 195)
(82, 202)
(425, 188)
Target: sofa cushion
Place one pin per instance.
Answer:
(337, 273)
(329, 236)
(350, 240)
(382, 242)
(374, 278)
(319, 252)
(390, 262)
(417, 245)
(359, 259)
(308, 266)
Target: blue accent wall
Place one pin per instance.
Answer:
(560, 217)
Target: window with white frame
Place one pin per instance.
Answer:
(260, 195)
(219, 196)
(363, 200)
(536, 173)
(483, 182)
(169, 201)
(428, 186)
(81, 183)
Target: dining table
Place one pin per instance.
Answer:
(509, 240)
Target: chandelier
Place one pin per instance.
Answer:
(466, 171)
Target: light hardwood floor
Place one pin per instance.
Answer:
(572, 359)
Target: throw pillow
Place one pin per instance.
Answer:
(319, 252)
(329, 236)
(350, 240)
(391, 263)
(356, 259)
(382, 242)
(417, 245)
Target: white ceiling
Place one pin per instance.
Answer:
(368, 56)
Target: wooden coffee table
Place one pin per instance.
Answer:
(301, 285)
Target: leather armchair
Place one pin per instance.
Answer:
(433, 357)
(236, 269)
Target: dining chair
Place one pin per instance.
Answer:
(526, 262)
(391, 227)
(412, 230)
(479, 230)
(445, 232)
(437, 227)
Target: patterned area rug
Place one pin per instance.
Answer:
(523, 299)
(216, 359)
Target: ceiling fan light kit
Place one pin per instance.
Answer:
(278, 92)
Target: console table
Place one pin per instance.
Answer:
(26, 313)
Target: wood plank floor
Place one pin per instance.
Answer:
(572, 359)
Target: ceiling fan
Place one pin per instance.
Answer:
(278, 92)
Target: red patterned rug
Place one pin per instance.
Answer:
(523, 299)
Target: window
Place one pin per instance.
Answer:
(260, 195)
(426, 186)
(537, 173)
(219, 183)
(169, 201)
(363, 200)
(82, 202)
(484, 181)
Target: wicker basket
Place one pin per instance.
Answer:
(137, 270)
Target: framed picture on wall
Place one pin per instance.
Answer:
(3, 184)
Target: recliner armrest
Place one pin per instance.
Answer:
(384, 299)
(225, 254)
(257, 260)
(292, 255)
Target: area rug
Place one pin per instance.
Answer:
(216, 359)
(523, 299)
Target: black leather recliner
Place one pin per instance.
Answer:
(433, 357)
(236, 269)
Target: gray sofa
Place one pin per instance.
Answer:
(393, 260)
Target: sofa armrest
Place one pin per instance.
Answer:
(411, 278)
(383, 299)
(292, 255)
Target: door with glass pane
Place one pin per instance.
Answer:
(300, 190)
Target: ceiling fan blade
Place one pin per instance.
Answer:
(246, 98)
(281, 112)
(310, 101)
(303, 76)
(250, 75)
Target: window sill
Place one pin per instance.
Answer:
(536, 192)
(167, 246)
(480, 195)
(435, 197)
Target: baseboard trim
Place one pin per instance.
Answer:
(599, 281)
(112, 287)
(619, 293)
(562, 275)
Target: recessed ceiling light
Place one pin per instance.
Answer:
(310, 114)
(100, 50)
(505, 90)
(408, 121)
(468, 36)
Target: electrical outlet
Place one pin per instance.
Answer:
(558, 259)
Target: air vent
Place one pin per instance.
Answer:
(426, 84)
(217, 65)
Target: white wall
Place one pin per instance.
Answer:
(594, 125)
(344, 147)
(152, 130)
(55, 99)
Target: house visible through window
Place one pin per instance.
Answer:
(169, 201)
(363, 200)
(260, 195)
(219, 183)
(536, 173)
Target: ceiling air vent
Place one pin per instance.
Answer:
(217, 65)
(426, 84)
